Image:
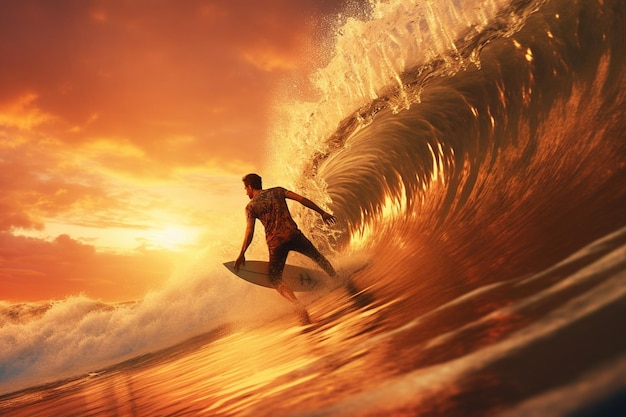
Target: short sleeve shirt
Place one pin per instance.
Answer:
(270, 207)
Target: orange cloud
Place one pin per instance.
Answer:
(22, 114)
(35, 185)
(135, 119)
(33, 269)
(150, 74)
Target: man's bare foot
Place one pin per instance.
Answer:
(304, 318)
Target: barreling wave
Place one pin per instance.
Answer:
(519, 124)
(499, 99)
(491, 148)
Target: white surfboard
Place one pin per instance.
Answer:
(296, 277)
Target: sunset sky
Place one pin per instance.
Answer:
(125, 128)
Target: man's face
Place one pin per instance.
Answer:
(248, 191)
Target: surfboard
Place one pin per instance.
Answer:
(298, 278)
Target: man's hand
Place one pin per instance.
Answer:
(241, 260)
(328, 218)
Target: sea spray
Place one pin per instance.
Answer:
(78, 335)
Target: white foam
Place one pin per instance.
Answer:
(80, 335)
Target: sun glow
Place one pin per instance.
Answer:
(171, 237)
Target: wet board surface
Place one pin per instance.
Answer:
(298, 278)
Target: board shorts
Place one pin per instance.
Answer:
(299, 243)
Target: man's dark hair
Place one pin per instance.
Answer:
(253, 180)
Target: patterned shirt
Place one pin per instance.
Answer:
(270, 207)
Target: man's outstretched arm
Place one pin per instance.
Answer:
(241, 259)
(327, 217)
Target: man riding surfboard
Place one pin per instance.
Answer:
(282, 234)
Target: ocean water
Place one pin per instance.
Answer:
(474, 153)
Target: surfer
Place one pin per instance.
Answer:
(281, 233)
